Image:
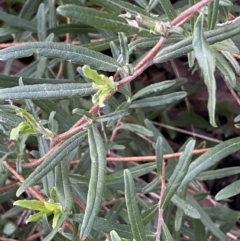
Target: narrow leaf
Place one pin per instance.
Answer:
(68, 202)
(168, 9)
(205, 57)
(100, 19)
(118, 6)
(158, 100)
(97, 180)
(226, 69)
(135, 219)
(218, 173)
(32, 204)
(229, 191)
(187, 208)
(45, 91)
(136, 129)
(206, 220)
(52, 160)
(159, 154)
(67, 52)
(212, 14)
(211, 158)
(178, 174)
(153, 88)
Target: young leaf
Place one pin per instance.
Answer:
(60, 216)
(103, 84)
(229, 191)
(178, 174)
(32, 204)
(76, 54)
(114, 236)
(135, 219)
(205, 57)
(96, 182)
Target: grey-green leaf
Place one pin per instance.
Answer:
(187, 208)
(97, 180)
(134, 216)
(153, 88)
(211, 158)
(229, 191)
(52, 160)
(67, 52)
(178, 174)
(206, 60)
(46, 91)
(136, 129)
(158, 100)
(100, 19)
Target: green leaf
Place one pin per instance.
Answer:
(185, 46)
(178, 174)
(118, 5)
(65, 209)
(212, 14)
(226, 69)
(168, 9)
(123, 40)
(114, 236)
(52, 160)
(159, 154)
(37, 216)
(97, 180)
(218, 173)
(18, 22)
(113, 116)
(166, 233)
(158, 100)
(76, 54)
(106, 225)
(229, 191)
(187, 208)
(7, 81)
(206, 220)
(136, 129)
(44, 91)
(23, 128)
(32, 204)
(100, 19)
(205, 57)
(103, 84)
(136, 171)
(211, 158)
(135, 219)
(41, 23)
(153, 88)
